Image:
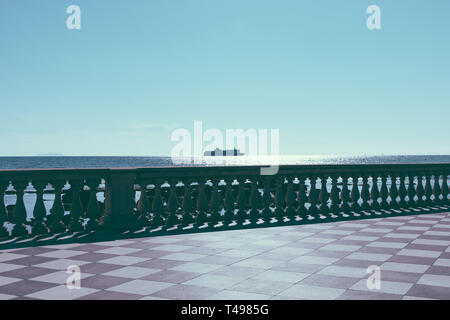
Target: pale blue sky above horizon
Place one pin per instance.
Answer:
(137, 70)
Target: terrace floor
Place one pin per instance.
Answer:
(317, 261)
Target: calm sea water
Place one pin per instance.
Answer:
(118, 162)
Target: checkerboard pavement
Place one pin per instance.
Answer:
(317, 261)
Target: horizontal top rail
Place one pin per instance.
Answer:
(292, 169)
(54, 174)
(195, 171)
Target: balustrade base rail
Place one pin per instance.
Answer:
(99, 204)
(106, 235)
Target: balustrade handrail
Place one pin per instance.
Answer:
(292, 169)
(245, 197)
(51, 174)
(207, 170)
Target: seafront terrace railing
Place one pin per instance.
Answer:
(152, 200)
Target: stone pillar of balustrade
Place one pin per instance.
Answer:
(402, 192)
(279, 200)
(323, 197)
(420, 190)
(254, 201)
(334, 194)
(267, 200)
(3, 214)
(384, 192)
(375, 193)
(158, 206)
(365, 194)
(411, 192)
(242, 202)
(201, 204)
(355, 194)
(302, 198)
(393, 191)
(428, 189)
(76, 209)
(215, 203)
(228, 202)
(143, 206)
(345, 195)
(290, 199)
(187, 204)
(445, 189)
(172, 205)
(20, 213)
(437, 189)
(119, 202)
(93, 209)
(313, 198)
(56, 224)
(39, 211)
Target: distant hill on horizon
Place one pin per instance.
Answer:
(50, 155)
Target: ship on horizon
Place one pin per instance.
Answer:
(219, 152)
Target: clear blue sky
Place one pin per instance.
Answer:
(139, 69)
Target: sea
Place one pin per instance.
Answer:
(42, 162)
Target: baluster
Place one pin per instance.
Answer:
(143, 206)
(393, 192)
(20, 213)
(93, 209)
(355, 195)
(411, 190)
(57, 210)
(279, 200)
(202, 204)
(345, 195)
(76, 210)
(402, 192)
(39, 211)
(242, 200)
(172, 205)
(255, 201)
(266, 201)
(334, 195)
(290, 199)
(302, 198)
(84, 198)
(323, 196)
(365, 194)
(214, 203)
(228, 203)
(428, 189)
(375, 193)
(384, 192)
(419, 190)
(157, 206)
(436, 189)
(445, 189)
(313, 197)
(3, 214)
(188, 205)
